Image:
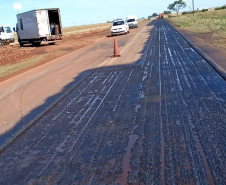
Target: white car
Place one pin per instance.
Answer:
(119, 27)
(6, 34)
(132, 21)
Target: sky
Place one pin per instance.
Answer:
(79, 12)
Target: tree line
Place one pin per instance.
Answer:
(176, 6)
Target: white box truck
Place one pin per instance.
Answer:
(132, 21)
(37, 26)
(6, 35)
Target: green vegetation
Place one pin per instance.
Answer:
(8, 69)
(167, 12)
(177, 5)
(220, 8)
(186, 12)
(195, 11)
(84, 27)
(204, 10)
(204, 22)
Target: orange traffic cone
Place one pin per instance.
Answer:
(116, 49)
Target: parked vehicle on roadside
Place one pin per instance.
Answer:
(132, 21)
(6, 35)
(38, 26)
(118, 27)
(1, 43)
(161, 16)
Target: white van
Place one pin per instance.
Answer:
(6, 35)
(132, 21)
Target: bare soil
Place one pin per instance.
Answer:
(12, 54)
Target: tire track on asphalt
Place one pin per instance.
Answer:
(177, 62)
(219, 101)
(210, 176)
(160, 112)
(170, 106)
(108, 132)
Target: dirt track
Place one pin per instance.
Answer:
(13, 54)
(162, 121)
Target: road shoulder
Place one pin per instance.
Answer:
(215, 56)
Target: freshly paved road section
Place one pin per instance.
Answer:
(161, 122)
(24, 96)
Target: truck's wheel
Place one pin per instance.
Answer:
(36, 44)
(21, 44)
(1, 43)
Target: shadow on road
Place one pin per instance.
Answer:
(160, 119)
(27, 121)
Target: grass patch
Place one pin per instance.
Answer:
(8, 69)
(183, 24)
(84, 27)
(203, 22)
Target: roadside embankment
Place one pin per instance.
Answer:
(206, 32)
(210, 26)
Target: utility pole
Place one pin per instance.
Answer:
(193, 9)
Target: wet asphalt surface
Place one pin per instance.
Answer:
(161, 122)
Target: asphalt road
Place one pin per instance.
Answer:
(27, 95)
(160, 122)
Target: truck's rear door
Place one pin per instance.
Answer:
(43, 23)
